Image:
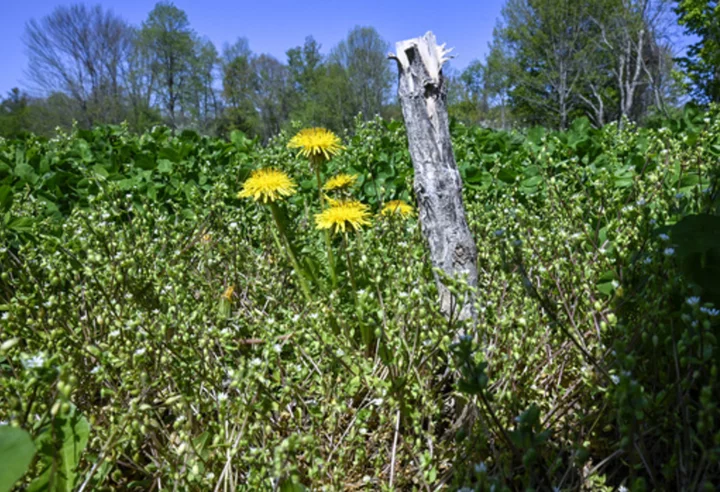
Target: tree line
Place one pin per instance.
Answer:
(549, 62)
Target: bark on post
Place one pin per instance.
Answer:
(438, 187)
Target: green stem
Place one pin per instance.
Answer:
(301, 274)
(331, 259)
(316, 163)
(351, 270)
(321, 200)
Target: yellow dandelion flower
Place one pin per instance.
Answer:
(206, 238)
(316, 142)
(227, 295)
(267, 185)
(344, 214)
(399, 207)
(340, 181)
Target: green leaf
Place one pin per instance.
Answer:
(291, 486)
(100, 170)
(20, 224)
(16, 453)
(60, 449)
(26, 173)
(6, 198)
(165, 166)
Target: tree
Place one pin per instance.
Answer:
(81, 51)
(363, 55)
(701, 18)
(200, 93)
(630, 33)
(141, 85)
(14, 114)
(272, 94)
(239, 83)
(305, 69)
(169, 41)
(498, 81)
(547, 39)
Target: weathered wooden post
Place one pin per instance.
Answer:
(438, 187)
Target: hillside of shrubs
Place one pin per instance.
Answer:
(162, 329)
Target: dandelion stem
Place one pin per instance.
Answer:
(301, 275)
(351, 270)
(317, 162)
(321, 200)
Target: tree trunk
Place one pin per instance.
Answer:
(438, 187)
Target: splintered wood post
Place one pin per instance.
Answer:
(438, 187)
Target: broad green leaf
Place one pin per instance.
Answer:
(21, 224)
(165, 166)
(6, 198)
(60, 449)
(16, 453)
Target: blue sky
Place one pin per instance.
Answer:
(273, 26)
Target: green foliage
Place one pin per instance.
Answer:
(16, 453)
(701, 18)
(131, 361)
(60, 447)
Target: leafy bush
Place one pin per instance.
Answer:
(140, 296)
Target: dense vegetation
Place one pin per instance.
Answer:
(154, 334)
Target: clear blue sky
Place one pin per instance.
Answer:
(274, 26)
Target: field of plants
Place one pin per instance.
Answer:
(165, 325)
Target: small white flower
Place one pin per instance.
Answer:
(296, 318)
(710, 311)
(271, 321)
(95, 370)
(277, 348)
(5, 316)
(255, 362)
(664, 237)
(622, 488)
(377, 402)
(232, 225)
(615, 379)
(222, 396)
(641, 202)
(694, 300)
(35, 361)
(114, 333)
(313, 315)
(339, 352)
(669, 251)
(140, 351)
(480, 467)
